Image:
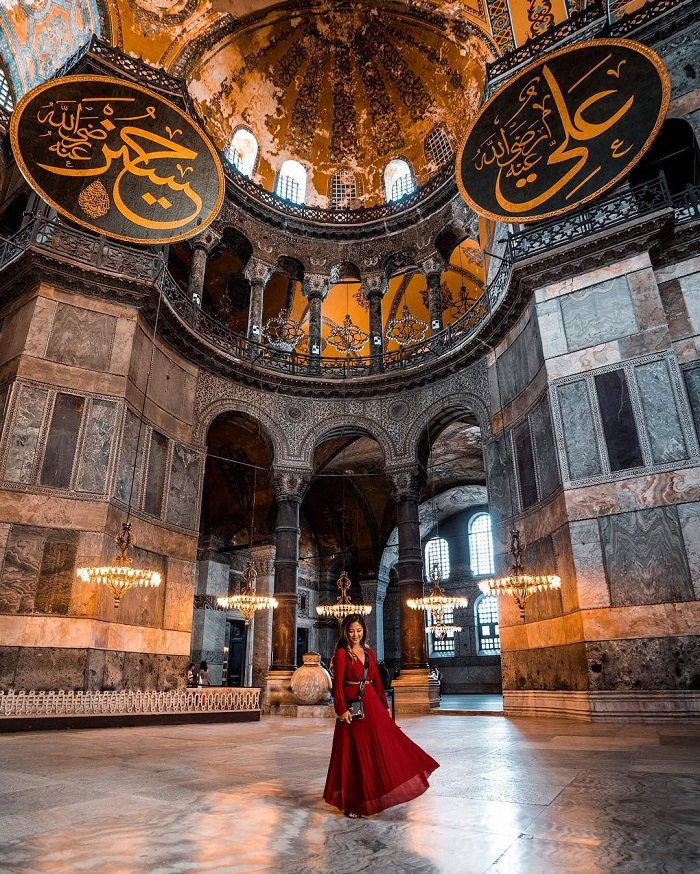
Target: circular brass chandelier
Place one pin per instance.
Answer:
(436, 603)
(247, 602)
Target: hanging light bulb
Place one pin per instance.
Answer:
(343, 606)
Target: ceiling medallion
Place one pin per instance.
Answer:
(349, 337)
(519, 585)
(282, 331)
(407, 329)
(343, 606)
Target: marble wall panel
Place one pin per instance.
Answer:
(551, 328)
(525, 462)
(644, 663)
(591, 582)
(8, 667)
(97, 447)
(57, 573)
(172, 671)
(20, 572)
(675, 308)
(500, 477)
(619, 426)
(579, 433)
(142, 606)
(689, 519)
(40, 328)
(518, 365)
(13, 331)
(692, 385)
(545, 449)
(171, 387)
(81, 338)
(4, 396)
(94, 673)
(184, 487)
(130, 467)
(179, 595)
(50, 668)
(556, 668)
(644, 343)
(140, 671)
(24, 436)
(690, 288)
(645, 558)
(540, 558)
(62, 441)
(598, 314)
(660, 413)
(646, 299)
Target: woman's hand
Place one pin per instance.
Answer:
(346, 717)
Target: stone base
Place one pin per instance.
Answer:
(676, 706)
(303, 711)
(414, 693)
(277, 691)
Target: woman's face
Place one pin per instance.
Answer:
(355, 633)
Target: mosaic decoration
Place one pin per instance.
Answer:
(413, 95)
(302, 126)
(287, 66)
(37, 38)
(387, 129)
(567, 128)
(501, 25)
(435, 57)
(540, 16)
(361, 300)
(344, 127)
(117, 159)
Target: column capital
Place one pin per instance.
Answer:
(373, 590)
(206, 240)
(433, 266)
(374, 284)
(407, 482)
(290, 483)
(257, 270)
(315, 285)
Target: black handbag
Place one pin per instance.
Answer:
(357, 708)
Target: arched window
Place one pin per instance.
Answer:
(398, 180)
(345, 188)
(6, 100)
(480, 545)
(437, 552)
(291, 182)
(438, 148)
(488, 639)
(243, 152)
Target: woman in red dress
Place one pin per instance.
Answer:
(373, 764)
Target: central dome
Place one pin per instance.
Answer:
(344, 92)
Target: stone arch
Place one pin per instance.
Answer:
(358, 426)
(442, 413)
(271, 433)
(344, 271)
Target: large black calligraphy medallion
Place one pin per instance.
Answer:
(115, 158)
(564, 130)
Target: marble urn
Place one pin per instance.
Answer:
(311, 683)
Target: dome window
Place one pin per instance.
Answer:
(291, 182)
(438, 148)
(398, 180)
(345, 189)
(243, 152)
(5, 94)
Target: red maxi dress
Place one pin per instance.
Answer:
(373, 764)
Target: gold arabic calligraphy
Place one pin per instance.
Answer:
(77, 127)
(544, 132)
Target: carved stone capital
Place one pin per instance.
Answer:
(206, 240)
(290, 483)
(373, 590)
(407, 482)
(257, 270)
(315, 285)
(374, 284)
(433, 267)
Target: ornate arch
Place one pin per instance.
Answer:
(444, 411)
(349, 424)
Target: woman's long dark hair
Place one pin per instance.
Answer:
(343, 638)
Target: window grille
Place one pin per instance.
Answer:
(344, 188)
(401, 186)
(398, 180)
(480, 545)
(6, 100)
(291, 182)
(488, 640)
(437, 552)
(243, 152)
(438, 149)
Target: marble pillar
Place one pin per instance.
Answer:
(315, 291)
(374, 288)
(433, 269)
(195, 287)
(412, 688)
(260, 634)
(257, 273)
(373, 593)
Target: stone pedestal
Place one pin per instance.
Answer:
(278, 691)
(413, 694)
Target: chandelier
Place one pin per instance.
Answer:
(343, 606)
(407, 329)
(120, 576)
(349, 337)
(519, 585)
(437, 602)
(247, 602)
(282, 330)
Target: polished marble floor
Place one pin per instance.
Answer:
(511, 797)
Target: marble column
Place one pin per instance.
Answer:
(202, 246)
(433, 269)
(412, 688)
(257, 273)
(289, 486)
(374, 287)
(373, 593)
(315, 291)
(260, 637)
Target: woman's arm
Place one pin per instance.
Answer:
(339, 663)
